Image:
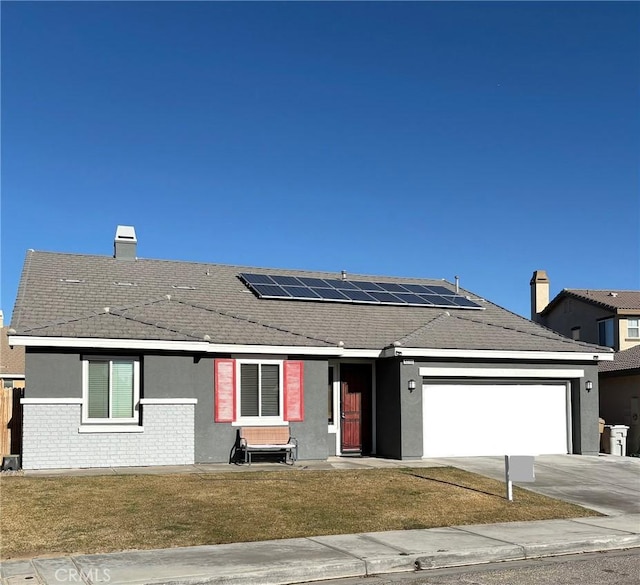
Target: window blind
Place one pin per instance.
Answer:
(98, 390)
(121, 389)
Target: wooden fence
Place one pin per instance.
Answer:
(11, 421)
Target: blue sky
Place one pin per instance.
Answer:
(418, 139)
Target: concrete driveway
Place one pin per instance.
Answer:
(608, 484)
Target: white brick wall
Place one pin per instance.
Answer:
(51, 439)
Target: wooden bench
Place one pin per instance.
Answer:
(268, 440)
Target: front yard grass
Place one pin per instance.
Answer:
(62, 515)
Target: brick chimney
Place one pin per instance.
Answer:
(125, 243)
(539, 293)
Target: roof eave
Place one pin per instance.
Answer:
(207, 347)
(410, 352)
(188, 346)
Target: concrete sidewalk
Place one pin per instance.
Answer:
(330, 557)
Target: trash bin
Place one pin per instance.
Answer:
(617, 439)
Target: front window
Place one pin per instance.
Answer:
(605, 333)
(111, 390)
(633, 328)
(260, 390)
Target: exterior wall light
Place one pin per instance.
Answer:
(412, 385)
(589, 385)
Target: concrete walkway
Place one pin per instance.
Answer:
(605, 483)
(358, 555)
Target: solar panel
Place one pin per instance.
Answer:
(392, 287)
(441, 290)
(301, 292)
(330, 294)
(464, 301)
(286, 280)
(340, 284)
(359, 295)
(368, 286)
(385, 297)
(270, 290)
(417, 288)
(439, 300)
(410, 298)
(313, 281)
(283, 286)
(257, 278)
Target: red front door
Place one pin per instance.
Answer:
(355, 408)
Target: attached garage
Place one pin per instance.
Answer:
(484, 418)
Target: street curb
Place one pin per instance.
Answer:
(39, 571)
(471, 557)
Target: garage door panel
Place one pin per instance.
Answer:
(483, 419)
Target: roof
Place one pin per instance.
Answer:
(627, 359)
(11, 359)
(614, 300)
(73, 295)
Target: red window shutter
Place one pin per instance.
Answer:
(293, 391)
(224, 393)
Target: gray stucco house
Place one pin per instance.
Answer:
(133, 362)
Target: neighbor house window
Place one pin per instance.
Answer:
(575, 333)
(8, 384)
(633, 328)
(111, 390)
(260, 390)
(605, 332)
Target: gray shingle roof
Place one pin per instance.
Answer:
(73, 295)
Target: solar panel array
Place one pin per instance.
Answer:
(277, 286)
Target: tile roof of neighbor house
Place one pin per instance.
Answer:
(625, 360)
(609, 299)
(69, 295)
(11, 359)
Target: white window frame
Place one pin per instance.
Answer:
(259, 420)
(135, 419)
(636, 326)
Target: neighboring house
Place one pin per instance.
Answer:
(11, 362)
(11, 388)
(604, 317)
(135, 362)
(620, 392)
(607, 317)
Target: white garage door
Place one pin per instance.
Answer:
(483, 419)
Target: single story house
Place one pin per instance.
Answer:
(135, 362)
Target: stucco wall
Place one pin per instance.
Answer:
(585, 413)
(53, 375)
(574, 313)
(312, 433)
